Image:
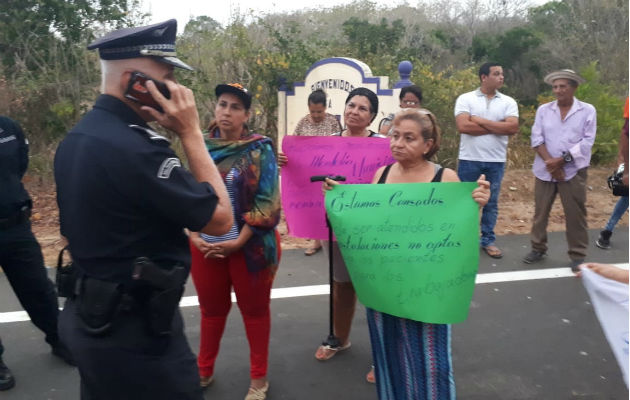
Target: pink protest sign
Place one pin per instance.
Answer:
(303, 202)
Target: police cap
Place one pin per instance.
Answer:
(156, 41)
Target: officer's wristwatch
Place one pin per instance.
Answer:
(567, 156)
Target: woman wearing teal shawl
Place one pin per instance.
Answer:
(246, 258)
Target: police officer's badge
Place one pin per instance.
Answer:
(164, 172)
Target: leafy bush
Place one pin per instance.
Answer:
(609, 113)
(440, 91)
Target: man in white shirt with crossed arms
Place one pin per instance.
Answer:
(485, 118)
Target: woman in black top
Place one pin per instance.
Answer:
(402, 347)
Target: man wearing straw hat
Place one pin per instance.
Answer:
(562, 135)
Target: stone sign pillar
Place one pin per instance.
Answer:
(337, 77)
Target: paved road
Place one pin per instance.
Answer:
(526, 339)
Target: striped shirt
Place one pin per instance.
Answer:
(234, 232)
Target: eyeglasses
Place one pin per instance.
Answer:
(410, 103)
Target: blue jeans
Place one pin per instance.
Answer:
(620, 208)
(469, 171)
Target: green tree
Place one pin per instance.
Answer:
(31, 25)
(49, 75)
(202, 25)
(609, 113)
(508, 49)
(576, 32)
(365, 38)
(514, 50)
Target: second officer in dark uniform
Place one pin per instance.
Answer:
(124, 201)
(20, 255)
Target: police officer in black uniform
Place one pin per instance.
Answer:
(20, 254)
(124, 201)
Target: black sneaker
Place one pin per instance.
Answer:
(7, 381)
(533, 257)
(575, 264)
(604, 240)
(60, 350)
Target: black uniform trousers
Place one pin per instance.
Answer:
(22, 262)
(129, 363)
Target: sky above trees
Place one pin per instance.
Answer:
(224, 12)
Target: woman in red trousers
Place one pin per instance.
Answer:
(246, 258)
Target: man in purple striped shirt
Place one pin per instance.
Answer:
(562, 135)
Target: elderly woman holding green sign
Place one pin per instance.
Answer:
(413, 358)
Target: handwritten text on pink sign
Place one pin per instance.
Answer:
(303, 202)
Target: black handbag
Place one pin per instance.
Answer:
(66, 277)
(615, 182)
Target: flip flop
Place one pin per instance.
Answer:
(370, 377)
(205, 381)
(493, 251)
(325, 352)
(312, 250)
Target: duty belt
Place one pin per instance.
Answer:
(155, 296)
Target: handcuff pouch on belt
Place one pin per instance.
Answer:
(66, 277)
(167, 289)
(97, 305)
(97, 301)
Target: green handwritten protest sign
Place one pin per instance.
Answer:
(412, 249)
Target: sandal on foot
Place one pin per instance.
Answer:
(257, 394)
(312, 250)
(325, 352)
(493, 251)
(205, 381)
(370, 377)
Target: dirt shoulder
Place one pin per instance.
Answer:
(516, 209)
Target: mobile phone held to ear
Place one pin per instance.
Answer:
(138, 92)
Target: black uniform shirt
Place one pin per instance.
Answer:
(122, 193)
(13, 164)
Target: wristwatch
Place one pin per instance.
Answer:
(567, 156)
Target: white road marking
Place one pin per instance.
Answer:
(318, 290)
(13, 316)
(527, 275)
